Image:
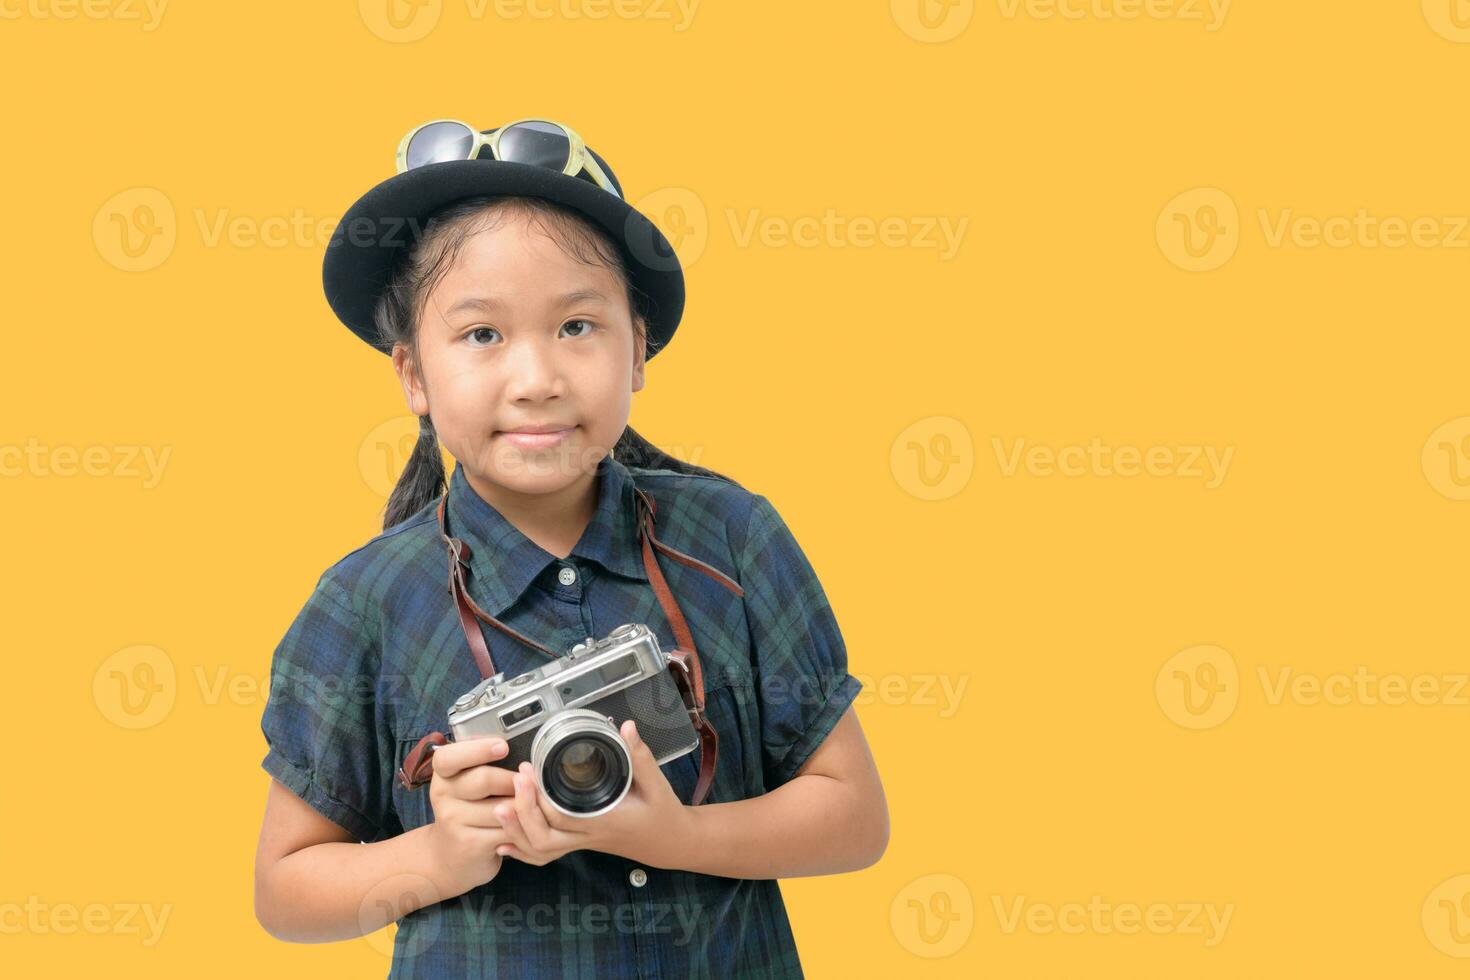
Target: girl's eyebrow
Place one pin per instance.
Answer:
(491, 304)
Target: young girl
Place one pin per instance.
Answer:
(520, 298)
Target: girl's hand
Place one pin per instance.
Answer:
(464, 834)
(647, 826)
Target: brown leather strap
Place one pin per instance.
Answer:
(417, 768)
(418, 765)
(684, 659)
(709, 739)
(459, 562)
(678, 556)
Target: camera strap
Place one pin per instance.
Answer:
(684, 666)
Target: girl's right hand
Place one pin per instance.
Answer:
(464, 792)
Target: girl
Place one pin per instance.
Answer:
(520, 297)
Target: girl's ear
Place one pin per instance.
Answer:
(640, 353)
(408, 376)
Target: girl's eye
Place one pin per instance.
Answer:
(478, 334)
(587, 327)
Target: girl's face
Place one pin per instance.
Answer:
(519, 335)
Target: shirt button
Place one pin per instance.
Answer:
(567, 575)
(638, 877)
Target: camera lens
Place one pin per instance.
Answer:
(583, 774)
(581, 763)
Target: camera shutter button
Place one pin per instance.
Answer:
(638, 877)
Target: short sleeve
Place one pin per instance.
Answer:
(320, 717)
(799, 657)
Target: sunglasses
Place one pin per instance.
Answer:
(537, 142)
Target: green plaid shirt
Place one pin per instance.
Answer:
(376, 656)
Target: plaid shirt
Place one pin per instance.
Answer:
(376, 656)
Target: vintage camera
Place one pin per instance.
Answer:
(563, 717)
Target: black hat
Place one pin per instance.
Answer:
(393, 215)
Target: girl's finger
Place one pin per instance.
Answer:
(480, 813)
(511, 851)
(530, 817)
(645, 767)
(513, 829)
(455, 757)
(552, 817)
(479, 782)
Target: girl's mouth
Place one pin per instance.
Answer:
(537, 440)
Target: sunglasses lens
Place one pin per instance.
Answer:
(438, 142)
(540, 144)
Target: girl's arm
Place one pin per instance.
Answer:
(829, 818)
(315, 883)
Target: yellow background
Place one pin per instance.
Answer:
(1074, 764)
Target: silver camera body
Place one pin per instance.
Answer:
(563, 718)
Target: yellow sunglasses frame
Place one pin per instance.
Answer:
(578, 158)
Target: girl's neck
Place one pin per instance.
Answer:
(555, 521)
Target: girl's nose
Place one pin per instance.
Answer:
(534, 374)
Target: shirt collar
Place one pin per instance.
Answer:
(504, 562)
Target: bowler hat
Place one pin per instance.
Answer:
(392, 216)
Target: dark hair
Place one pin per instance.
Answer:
(418, 268)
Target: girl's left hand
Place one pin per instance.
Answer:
(647, 826)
